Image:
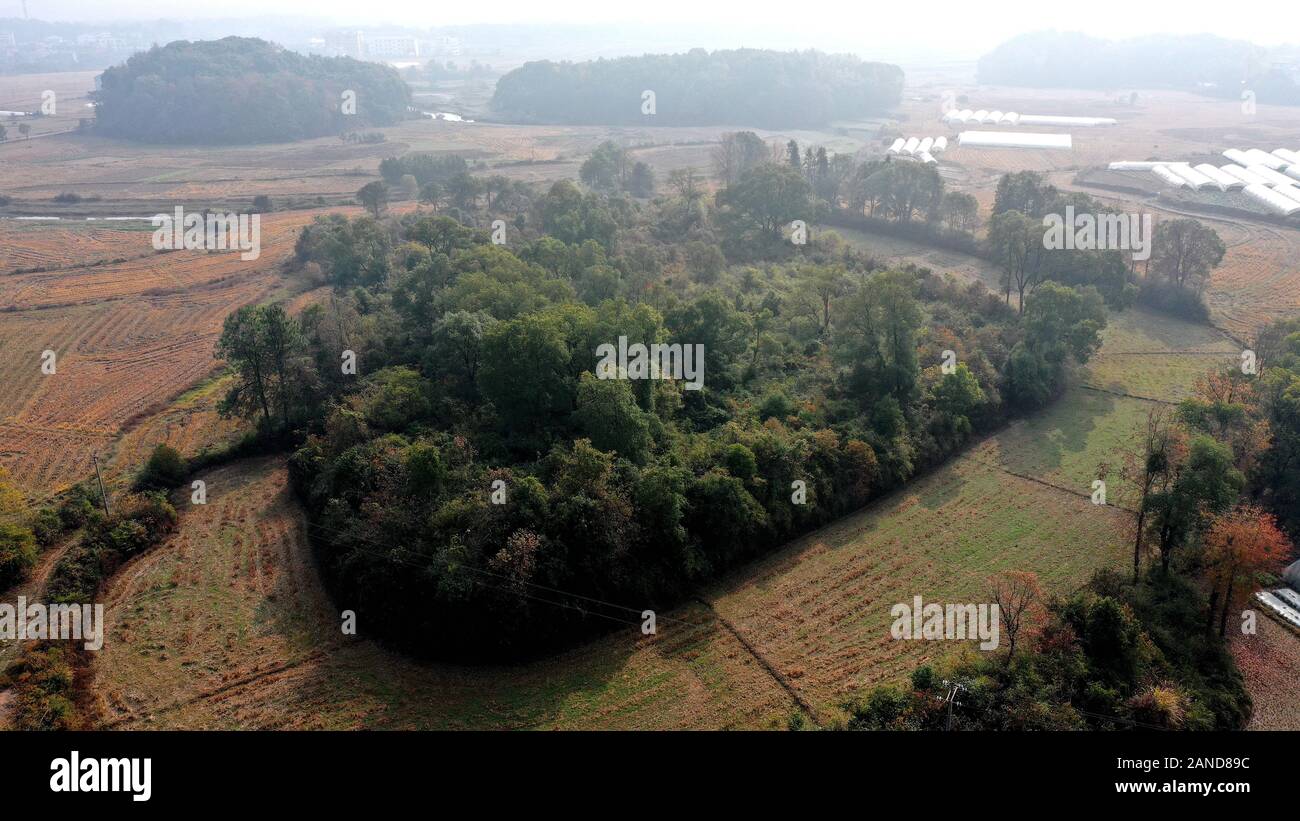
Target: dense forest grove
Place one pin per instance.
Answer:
(1203, 63)
(242, 90)
(752, 87)
(479, 486)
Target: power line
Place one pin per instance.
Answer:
(423, 566)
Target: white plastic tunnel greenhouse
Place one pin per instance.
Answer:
(1195, 179)
(1163, 172)
(1272, 200)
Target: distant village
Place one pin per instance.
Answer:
(32, 46)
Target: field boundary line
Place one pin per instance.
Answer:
(776, 674)
(1046, 483)
(225, 688)
(1126, 395)
(1103, 355)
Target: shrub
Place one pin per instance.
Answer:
(17, 554)
(166, 468)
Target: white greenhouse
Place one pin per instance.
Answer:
(1275, 202)
(1008, 139)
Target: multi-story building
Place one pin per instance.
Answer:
(392, 47)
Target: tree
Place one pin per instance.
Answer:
(912, 189)
(262, 204)
(573, 218)
(374, 196)
(350, 252)
(826, 284)
(959, 210)
(17, 553)
(641, 183)
(705, 261)
(871, 183)
(608, 415)
(431, 193)
(1240, 545)
(1062, 322)
(606, 169)
(1026, 192)
(523, 370)
(1184, 253)
(1150, 466)
(1018, 596)
(25, 130)
(736, 154)
(458, 343)
(266, 348)
(243, 347)
(1016, 243)
(876, 337)
(769, 197)
(1203, 485)
(958, 395)
(686, 184)
(286, 354)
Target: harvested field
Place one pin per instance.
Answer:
(129, 338)
(190, 424)
(820, 608)
(1258, 281)
(225, 626)
(31, 245)
(24, 92)
(1270, 662)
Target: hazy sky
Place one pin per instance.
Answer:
(979, 23)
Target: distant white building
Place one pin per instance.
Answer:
(344, 44)
(7, 39)
(103, 40)
(392, 47)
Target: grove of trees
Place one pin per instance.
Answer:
(763, 89)
(473, 463)
(243, 90)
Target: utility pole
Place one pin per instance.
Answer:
(953, 689)
(94, 457)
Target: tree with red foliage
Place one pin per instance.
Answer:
(1240, 544)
